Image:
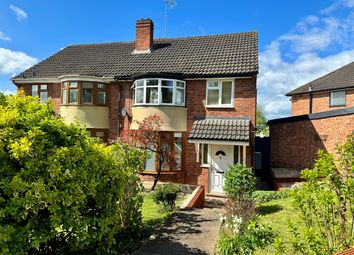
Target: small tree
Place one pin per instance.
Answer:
(261, 122)
(146, 137)
(326, 203)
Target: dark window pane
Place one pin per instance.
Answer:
(167, 83)
(139, 96)
(152, 82)
(43, 96)
(86, 93)
(213, 97)
(151, 95)
(167, 95)
(101, 97)
(150, 162)
(226, 92)
(63, 96)
(205, 154)
(34, 90)
(180, 96)
(73, 96)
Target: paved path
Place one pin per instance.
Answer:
(187, 232)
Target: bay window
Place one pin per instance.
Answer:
(102, 134)
(83, 93)
(159, 92)
(220, 93)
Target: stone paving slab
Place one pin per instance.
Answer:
(187, 232)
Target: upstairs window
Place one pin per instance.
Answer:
(337, 98)
(83, 93)
(159, 92)
(41, 91)
(220, 93)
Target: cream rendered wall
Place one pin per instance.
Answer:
(173, 118)
(89, 116)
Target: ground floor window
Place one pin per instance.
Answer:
(99, 133)
(171, 146)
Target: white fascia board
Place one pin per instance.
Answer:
(218, 142)
(64, 78)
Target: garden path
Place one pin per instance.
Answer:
(187, 232)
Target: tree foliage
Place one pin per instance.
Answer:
(261, 122)
(60, 191)
(326, 203)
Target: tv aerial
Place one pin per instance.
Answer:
(172, 4)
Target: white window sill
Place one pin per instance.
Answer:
(221, 106)
(205, 165)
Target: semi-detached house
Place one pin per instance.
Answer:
(203, 88)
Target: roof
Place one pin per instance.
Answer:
(223, 55)
(226, 129)
(314, 116)
(347, 252)
(341, 78)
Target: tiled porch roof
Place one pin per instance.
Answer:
(225, 129)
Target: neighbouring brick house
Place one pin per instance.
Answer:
(203, 88)
(322, 117)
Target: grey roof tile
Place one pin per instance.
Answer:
(225, 54)
(221, 129)
(341, 78)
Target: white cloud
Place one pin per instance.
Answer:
(317, 45)
(4, 37)
(20, 13)
(12, 62)
(8, 92)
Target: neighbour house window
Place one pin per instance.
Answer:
(83, 93)
(220, 93)
(159, 92)
(171, 145)
(337, 98)
(236, 154)
(99, 133)
(41, 91)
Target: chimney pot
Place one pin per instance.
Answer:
(144, 35)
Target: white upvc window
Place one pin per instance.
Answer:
(337, 98)
(220, 93)
(159, 92)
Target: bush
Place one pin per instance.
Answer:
(60, 191)
(239, 182)
(247, 240)
(261, 196)
(167, 195)
(326, 204)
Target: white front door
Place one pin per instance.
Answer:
(221, 159)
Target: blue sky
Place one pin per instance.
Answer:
(298, 40)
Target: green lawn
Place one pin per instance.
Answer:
(277, 213)
(153, 214)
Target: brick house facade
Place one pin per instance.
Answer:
(138, 79)
(322, 118)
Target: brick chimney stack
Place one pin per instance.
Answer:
(144, 35)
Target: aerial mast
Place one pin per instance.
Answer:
(171, 4)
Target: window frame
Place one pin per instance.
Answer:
(159, 86)
(219, 88)
(40, 89)
(337, 105)
(171, 143)
(93, 132)
(65, 88)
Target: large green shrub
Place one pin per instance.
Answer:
(261, 196)
(239, 182)
(167, 195)
(60, 191)
(326, 204)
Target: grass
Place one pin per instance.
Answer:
(276, 214)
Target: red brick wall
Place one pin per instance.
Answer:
(295, 144)
(320, 103)
(114, 114)
(244, 106)
(144, 34)
(54, 90)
